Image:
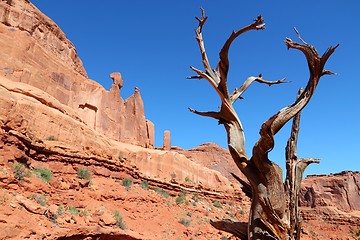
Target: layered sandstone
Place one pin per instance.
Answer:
(214, 157)
(40, 120)
(35, 51)
(341, 191)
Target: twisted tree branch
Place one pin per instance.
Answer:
(223, 65)
(276, 122)
(239, 91)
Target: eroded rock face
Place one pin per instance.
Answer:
(22, 16)
(35, 117)
(35, 51)
(214, 157)
(167, 140)
(341, 191)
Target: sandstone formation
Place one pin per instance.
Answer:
(53, 117)
(36, 117)
(35, 51)
(29, 117)
(167, 140)
(214, 157)
(341, 191)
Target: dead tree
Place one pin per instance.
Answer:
(274, 210)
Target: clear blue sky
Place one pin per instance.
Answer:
(152, 44)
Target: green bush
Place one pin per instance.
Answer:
(241, 211)
(61, 209)
(185, 222)
(44, 174)
(51, 138)
(224, 238)
(161, 192)
(144, 185)
(195, 197)
(181, 198)
(84, 212)
(217, 204)
(119, 220)
(21, 171)
(73, 211)
(127, 182)
(83, 174)
(39, 198)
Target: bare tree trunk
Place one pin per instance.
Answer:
(274, 209)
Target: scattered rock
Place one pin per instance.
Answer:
(108, 219)
(31, 205)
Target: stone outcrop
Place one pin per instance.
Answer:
(24, 19)
(38, 119)
(341, 191)
(36, 52)
(214, 157)
(167, 140)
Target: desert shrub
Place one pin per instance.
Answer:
(52, 217)
(217, 204)
(144, 184)
(39, 198)
(120, 156)
(44, 174)
(21, 171)
(61, 210)
(181, 198)
(173, 175)
(73, 211)
(83, 173)
(85, 212)
(51, 138)
(195, 197)
(127, 182)
(185, 222)
(358, 233)
(231, 214)
(119, 220)
(162, 192)
(224, 238)
(241, 211)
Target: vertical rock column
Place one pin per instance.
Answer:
(167, 140)
(150, 134)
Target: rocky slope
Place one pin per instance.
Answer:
(85, 189)
(214, 157)
(69, 149)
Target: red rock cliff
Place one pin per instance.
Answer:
(341, 190)
(35, 51)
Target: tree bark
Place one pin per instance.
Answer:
(274, 209)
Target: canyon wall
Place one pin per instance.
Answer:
(36, 52)
(340, 190)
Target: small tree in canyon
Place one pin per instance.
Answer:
(274, 210)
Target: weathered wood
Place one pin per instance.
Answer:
(274, 209)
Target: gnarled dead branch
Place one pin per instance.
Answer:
(274, 212)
